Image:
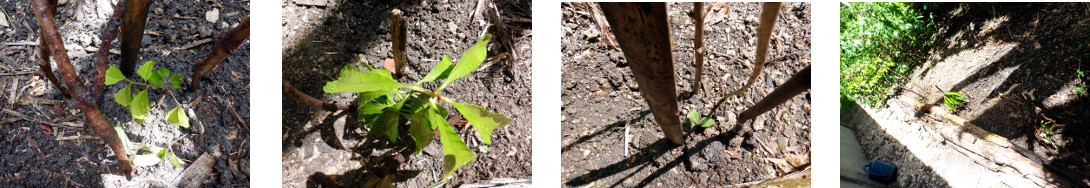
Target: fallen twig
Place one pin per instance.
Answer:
(193, 44)
(290, 91)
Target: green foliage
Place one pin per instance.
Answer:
(177, 117)
(146, 155)
(139, 105)
(953, 100)
(1082, 83)
(377, 108)
(694, 119)
(876, 38)
(1046, 131)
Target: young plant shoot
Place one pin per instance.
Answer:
(384, 102)
(953, 99)
(694, 119)
(138, 105)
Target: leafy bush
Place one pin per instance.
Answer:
(383, 104)
(876, 38)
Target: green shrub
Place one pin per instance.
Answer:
(876, 38)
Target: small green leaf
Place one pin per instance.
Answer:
(455, 152)
(485, 121)
(145, 70)
(123, 137)
(151, 157)
(157, 76)
(441, 71)
(421, 130)
(113, 75)
(692, 118)
(174, 160)
(139, 107)
(470, 60)
(353, 79)
(177, 116)
(707, 123)
(123, 96)
(176, 81)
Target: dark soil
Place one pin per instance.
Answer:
(1017, 64)
(89, 162)
(321, 37)
(602, 103)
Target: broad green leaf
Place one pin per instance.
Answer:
(139, 107)
(470, 60)
(420, 128)
(113, 75)
(123, 96)
(441, 71)
(485, 121)
(455, 152)
(146, 69)
(174, 160)
(176, 81)
(389, 119)
(177, 116)
(157, 76)
(353, 79)
(123, 137)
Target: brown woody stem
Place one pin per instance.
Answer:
(231, 42)
(290, 91)
(698, 44)
(103, 55)
(51, 39)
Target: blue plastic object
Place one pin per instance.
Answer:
(881, 171)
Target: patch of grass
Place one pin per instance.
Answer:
(877, 38)
(953, 100)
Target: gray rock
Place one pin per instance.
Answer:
(212, 15)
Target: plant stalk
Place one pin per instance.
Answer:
(698, 44)
(231, 42)
(51, 39)
(397, 34)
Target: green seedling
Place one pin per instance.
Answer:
(384, 102)
(694, 119)
(1047, 131)
(1082, 84)
(953, 99)
(138, 105)
(146, 155)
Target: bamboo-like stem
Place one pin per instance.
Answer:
(232, 40)
(79, 93)
(698, 44)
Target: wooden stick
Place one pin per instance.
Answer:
(132, 32)
(797, 84)
(397, 34)
(642, 29)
